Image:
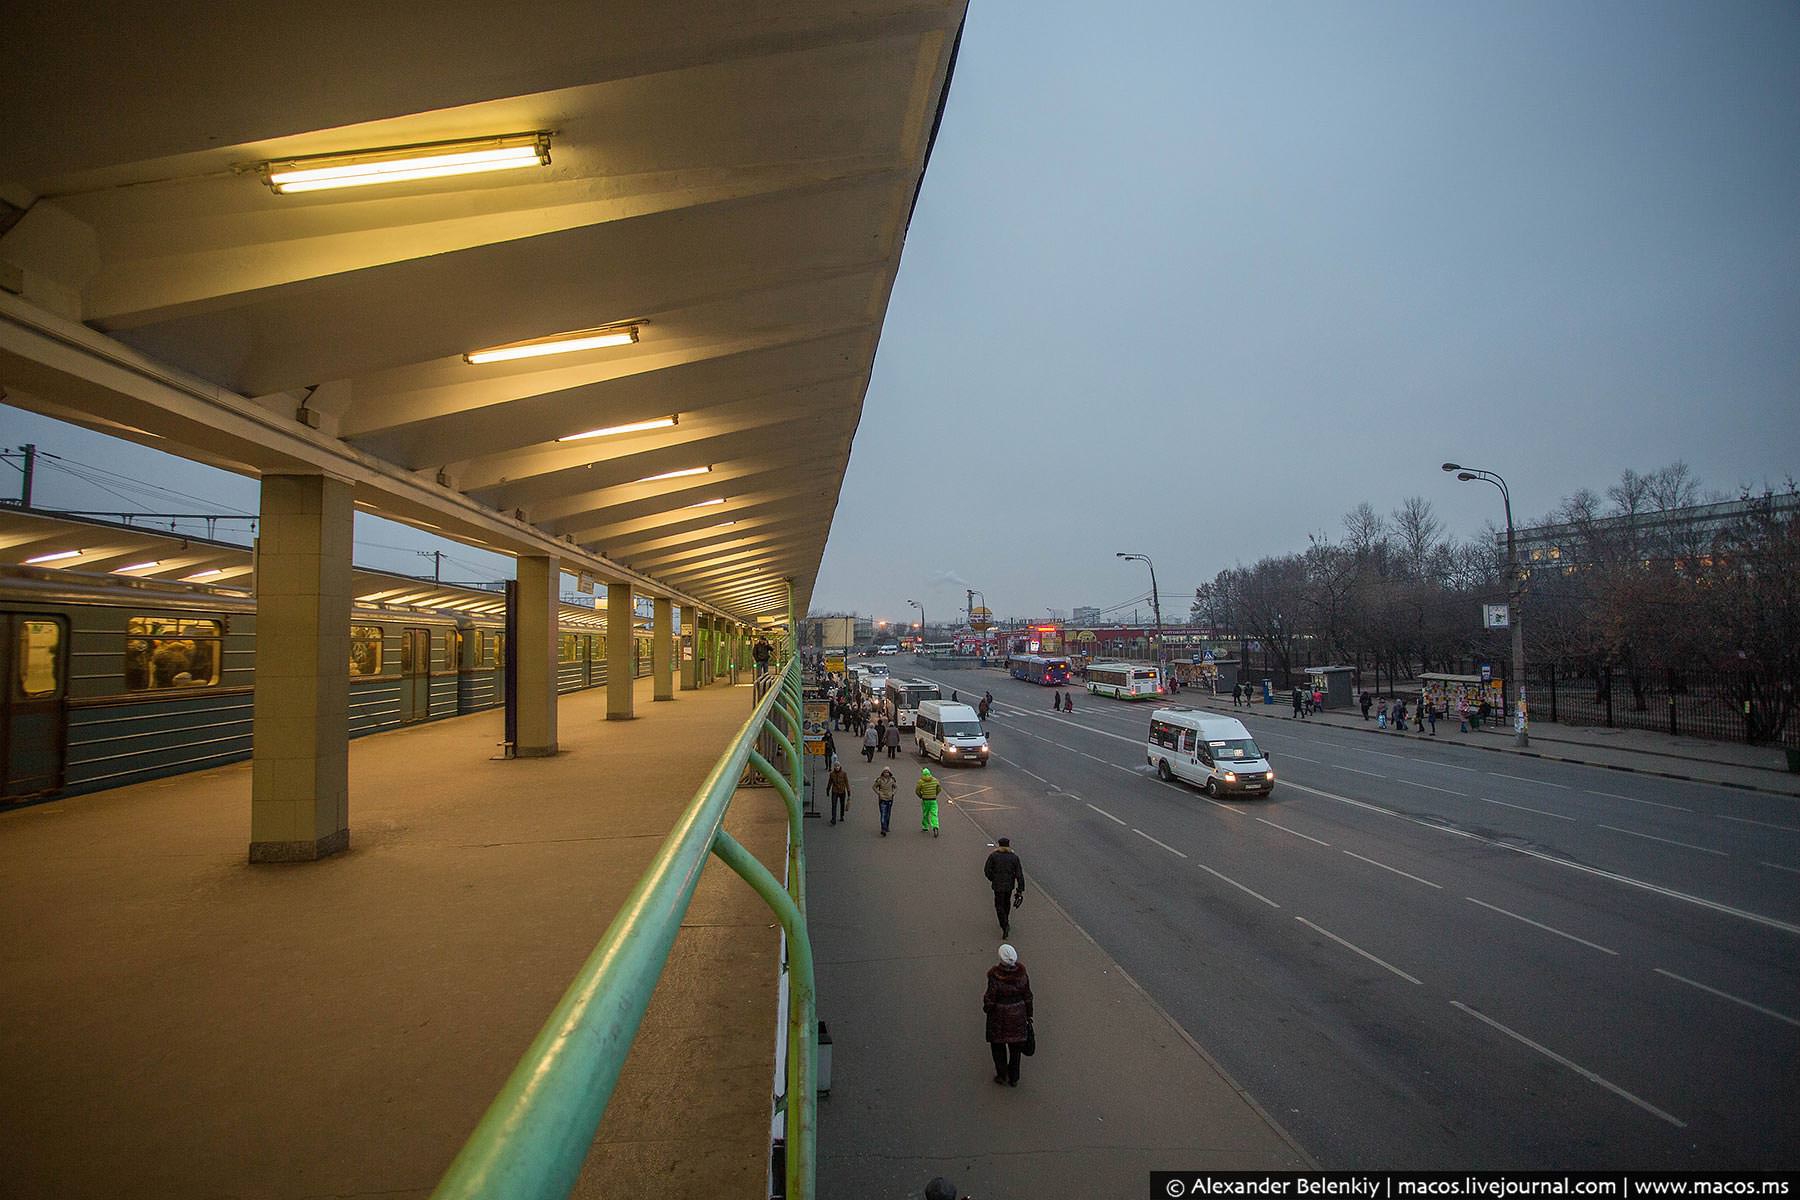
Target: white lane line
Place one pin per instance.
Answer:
(1582, 1071)
(1359, 950)
(1524, 779)
(1309, 837)
(1540, 925)
(1541, 856)
(1542, 812)
(1107, 815)
(1767, 1012)
(1395, 870)
(1779, 867)
(1667, 841)
(1430, 787)
(1186, 791)
(1370, 774)
(1300, 757)
(1454, 767)
(1234, 883)
(1164, 845)
(1635, 800)
(1764, 824)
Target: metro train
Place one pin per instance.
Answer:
(114, 681)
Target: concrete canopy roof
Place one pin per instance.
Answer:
(734, 180)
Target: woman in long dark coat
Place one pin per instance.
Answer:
(1008, 1007)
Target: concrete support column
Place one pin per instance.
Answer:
(539, 591)
(703, 638)
(621, 645)
(690, 667)
(300, 768)
(662, 649)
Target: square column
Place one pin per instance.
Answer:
(690, 667)
(539, 593)
(709, 625)
(300, 764)
(662, 646)
(621, 645)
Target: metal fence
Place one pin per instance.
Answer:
(1738, 706)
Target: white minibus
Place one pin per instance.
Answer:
(903, 697)
(1213, 751)
(1123, 681)
(950, 733)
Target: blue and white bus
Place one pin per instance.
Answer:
(1123, 681)
(1049, 670)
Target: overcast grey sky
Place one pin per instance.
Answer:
(1194, 279)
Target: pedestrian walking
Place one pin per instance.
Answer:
(891, 739)
(981, 710)
(1318, 700)
(1068, 701)
(1431, 717)
(762, 654)
(1297, 706)
(1462, 713)
(1007, 1003)
(1399, 716)
(1365, 700)
(953, 695)
(1056, 699)
(870, 741)
(927, 791)
(1006, 875)
(837, 785)
(1419, 716)
(830, 747)
(885, 787)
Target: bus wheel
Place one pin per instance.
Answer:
(1162, 770)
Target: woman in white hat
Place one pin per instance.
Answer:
(1008, 1007)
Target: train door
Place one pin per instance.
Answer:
(415, 674)
(453, 662)
(34, 658)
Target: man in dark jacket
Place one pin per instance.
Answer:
(1007, 875)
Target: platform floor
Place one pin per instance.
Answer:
(176, 1022)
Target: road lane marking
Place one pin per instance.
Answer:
(1635, 800)
(1370, 774)
(1395, 870)
(1432, 787)
(1668, 841)
(1454, 767)
(1767, 1012)
(1309, 837)
(1779, 867)
(1764, 824)
(1164, 845)
(1542, 812)
(1106, 814)
(1187, 791)
(1234, 883)
(1540, 925)
(1698, 901)
(1582, 1071)
(1359, 950)
(1301, 757)
(1525, 779)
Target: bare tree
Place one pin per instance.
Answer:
(1420, 534)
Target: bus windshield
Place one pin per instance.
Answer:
(962, 728)
(1234, 748)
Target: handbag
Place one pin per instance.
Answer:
(1030, 1046)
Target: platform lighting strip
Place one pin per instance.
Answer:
(557, 343)
(199, 575)
(403, 164)
(681, 474)
(708, 503)
(57, 556)
(634, 427)
(143, 566)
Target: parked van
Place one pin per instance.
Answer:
(950, 733)
(1215, 752)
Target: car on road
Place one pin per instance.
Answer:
(1212, 751)
(950, 733)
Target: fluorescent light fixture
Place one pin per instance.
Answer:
(681, 474)
(634, 427)
(557, 343)
(722, 525)
(708, 503)
(199, 575)
(59, 556)
(143, 566)
(402, 164)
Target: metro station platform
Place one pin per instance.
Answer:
(177, 1022)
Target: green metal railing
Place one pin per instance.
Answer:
(535, 1136)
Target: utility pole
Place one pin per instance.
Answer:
(30, 470)
(1155, 604)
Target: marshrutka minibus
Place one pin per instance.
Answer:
(904, 697)
(1123, 681)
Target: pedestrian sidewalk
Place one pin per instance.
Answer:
(903, 933)
(1732, 764)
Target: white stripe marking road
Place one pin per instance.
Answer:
(1767, 1012)
(1635, 800)
(1107, 815)
(1764, 824)
(1358, 950)
(1431, 787)
(1395, 870)
(1779, 867)
(1164, 845)
(1370, 774)
(1586, 1074)
(1540, 925)
(1309, 837)
(1539, 811)
(1234, 883)
(1667, 841)
(1300, 757)
(1524, 779)
(1614, 876)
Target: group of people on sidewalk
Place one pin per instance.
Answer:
(886, 785)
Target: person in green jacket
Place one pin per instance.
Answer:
(927, 791)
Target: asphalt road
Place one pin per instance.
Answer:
(1420, 955)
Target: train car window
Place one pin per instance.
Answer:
(568, 648)
(499, 649)
(365, 650)
(171, 652)
(38, 659)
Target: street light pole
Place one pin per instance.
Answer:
(921, 609)
(1155, 603)
(1515, 594)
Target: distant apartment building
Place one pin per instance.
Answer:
(1662, 534)
(1085, 616)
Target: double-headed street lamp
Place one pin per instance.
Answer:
(921, 609)
(1514, 595)
(1155, 601)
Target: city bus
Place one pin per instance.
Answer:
(903, 697)
(1123, 681)
(1047, 670)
